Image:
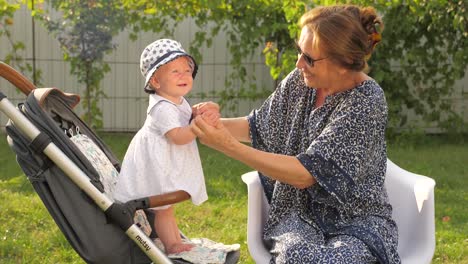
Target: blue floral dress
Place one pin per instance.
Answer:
(345, 217)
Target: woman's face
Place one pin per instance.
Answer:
(317, 70)
(174, 79)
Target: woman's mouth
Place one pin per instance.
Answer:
(307, 75)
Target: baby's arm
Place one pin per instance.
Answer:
(180, 135)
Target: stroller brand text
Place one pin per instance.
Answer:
(143, 243)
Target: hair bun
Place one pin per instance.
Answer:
(373, 26)
(370, 20)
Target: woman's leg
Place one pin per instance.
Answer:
(167, 230)
(340, 250)
(295, 241)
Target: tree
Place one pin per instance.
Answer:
(85, 30)
(423, 52)
(14, 57)
(424, 45)
(248, 25)
(428, 40)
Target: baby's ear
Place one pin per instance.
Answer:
(154, 82)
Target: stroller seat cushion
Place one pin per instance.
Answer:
(107, 172)
(142, 222)
(205, 251)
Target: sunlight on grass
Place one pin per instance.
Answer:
(28, 233)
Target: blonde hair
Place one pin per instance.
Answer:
(347, 34)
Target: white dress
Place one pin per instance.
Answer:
(153, 165)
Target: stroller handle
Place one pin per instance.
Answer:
(79, 178)
(168, 198)
(16, 78)
(158, 200)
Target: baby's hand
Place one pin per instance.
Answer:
(211, 117)
(201, 108)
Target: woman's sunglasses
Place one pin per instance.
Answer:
(306, 57)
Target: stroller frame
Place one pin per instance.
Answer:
(82, 181)
(118, 213)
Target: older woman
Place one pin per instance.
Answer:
(319, 144)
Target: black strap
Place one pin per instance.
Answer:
(163, 57)
(39, 176)
(2, 96)
(40, 143)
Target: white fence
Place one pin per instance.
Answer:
(125, 105)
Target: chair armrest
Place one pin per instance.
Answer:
(412, 198)
(257, 215)
(421, 186)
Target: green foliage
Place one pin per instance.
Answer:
(424, 46)
(85, 30)
(248, 25)
(14, 57)
(428, 40)
(423, 52)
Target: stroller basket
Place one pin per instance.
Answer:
(99, 230)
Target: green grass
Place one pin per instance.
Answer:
(29, 235)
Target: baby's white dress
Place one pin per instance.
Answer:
(153, 165)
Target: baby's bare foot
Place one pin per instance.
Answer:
(178, 248)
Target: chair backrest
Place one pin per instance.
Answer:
(412, 199)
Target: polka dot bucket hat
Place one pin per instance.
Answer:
(158, 53)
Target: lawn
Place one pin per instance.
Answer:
(29, 235)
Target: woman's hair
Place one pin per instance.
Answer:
(347, 34)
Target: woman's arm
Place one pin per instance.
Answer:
(238, 127)
(286, 169)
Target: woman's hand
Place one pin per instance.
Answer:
(200, 108)
(217, 137)
(209, 111)
(280, 167)
(211, 117)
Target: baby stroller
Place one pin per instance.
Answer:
(69, 184)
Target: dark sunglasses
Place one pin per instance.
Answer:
(307, 58)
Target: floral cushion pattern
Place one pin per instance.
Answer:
(107, 173)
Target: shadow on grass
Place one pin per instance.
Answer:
(222, 174)
(17, 184)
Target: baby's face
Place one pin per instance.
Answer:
(174, 79)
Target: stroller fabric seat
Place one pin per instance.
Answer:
(85, 225)
(82, 222)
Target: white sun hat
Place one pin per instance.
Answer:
(158, 53)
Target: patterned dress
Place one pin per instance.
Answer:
(345, 217)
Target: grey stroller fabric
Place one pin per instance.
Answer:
(83, 223)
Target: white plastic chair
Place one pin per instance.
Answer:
(412, 198)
